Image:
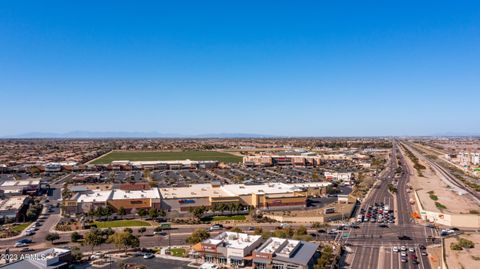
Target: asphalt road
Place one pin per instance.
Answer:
(371, 246)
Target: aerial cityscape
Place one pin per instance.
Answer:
(222, 135)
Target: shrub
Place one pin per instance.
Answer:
(465, 243)
(455, 246)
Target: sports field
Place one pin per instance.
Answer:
(167, 156)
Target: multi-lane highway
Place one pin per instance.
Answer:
(371, 246)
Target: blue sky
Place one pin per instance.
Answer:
(319, 68)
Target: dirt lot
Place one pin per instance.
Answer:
(431, 187)
(466, 258)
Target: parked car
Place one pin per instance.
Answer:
(19, 244)
(97, 255)
(148, 255)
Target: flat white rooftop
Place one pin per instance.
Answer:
(118, 194)
(24, 182)
(279, 246)
(193, 191)
(179, 162)
(270, 188)
(13, 203)
(94, 196)
(206, 190)
(234, 240)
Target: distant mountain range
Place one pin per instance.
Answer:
(86, 134)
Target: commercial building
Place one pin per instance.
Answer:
(337, 176)
(133, 200)
(281, 253)
(269, 196)
(53, 258)
(57, 167)
(228, 249)
(14, 208)
(87, 199)
(164, 165)
(86, 177)
(469, 158)
(24, 186)
(279, 160)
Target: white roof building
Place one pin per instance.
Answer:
(118, 194)
(95, 197)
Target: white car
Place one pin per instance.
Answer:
(403, 248)
(148, 255)
(411, 250)
(19, 244)
(403, 254)
(395, 249)
(96, 256)
(208, 266)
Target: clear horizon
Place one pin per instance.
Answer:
(270, 68)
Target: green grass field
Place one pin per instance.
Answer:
(121, 223)
(178, 252)
(20, 227)
(167, 156)
(235, 217)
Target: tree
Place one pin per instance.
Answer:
(162, 213)
(198, 236)
(153, 213)
(198, 211)
(301, 230)
(236, 230)
(128, 230)
(124, 240)
(147, 174)
(142, 212)
(142, 230)
(93, 238)
(76, 254)
(122, 211)
(52, 237)
(75, 237)
(258, 231)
